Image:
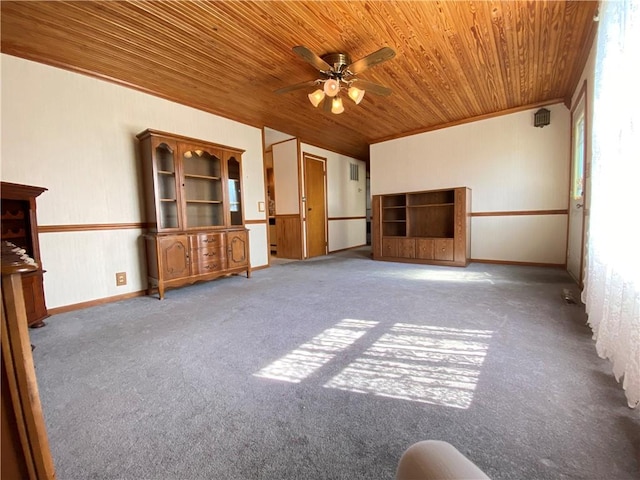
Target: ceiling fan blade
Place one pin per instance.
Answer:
(371, 60)
(328, 103)
(308, 56)
(297, 86)
(371, 87)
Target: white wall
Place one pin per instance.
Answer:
(345, 198)
(75, 135)
(510, 166)
(285, 177)
(272, 136)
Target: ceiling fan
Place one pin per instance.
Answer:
(338, 72)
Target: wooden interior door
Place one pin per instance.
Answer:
(315, 205)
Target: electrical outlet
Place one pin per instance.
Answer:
(121, 278)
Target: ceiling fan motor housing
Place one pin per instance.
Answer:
(338, 61)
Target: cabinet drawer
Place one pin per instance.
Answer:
(424, 248)
(390, 247)
(207, 265)
(443, 249)
(206, 254)
(205, 240)
(407, 248)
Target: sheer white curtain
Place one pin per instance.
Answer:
(612, 291)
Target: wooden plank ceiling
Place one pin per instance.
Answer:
(456, 60)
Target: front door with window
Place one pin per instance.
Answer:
(575, 243)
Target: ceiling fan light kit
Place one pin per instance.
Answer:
(337, 73)
(336, 105)
(331, 87)
(316, 97)
(356, 94)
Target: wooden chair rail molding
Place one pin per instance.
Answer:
(85, 227)
(256, 222)
(363, 217)
(519, 212)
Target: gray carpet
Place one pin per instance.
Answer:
(328, 369)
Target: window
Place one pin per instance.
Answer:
(577, 179)
(612, 293)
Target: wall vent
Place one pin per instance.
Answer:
(542, 118)
(354, 172)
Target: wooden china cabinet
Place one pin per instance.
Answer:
(194, 210)
(20, 227)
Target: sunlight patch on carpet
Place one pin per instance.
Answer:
(436, 365)
(449, 275)
(309, 357)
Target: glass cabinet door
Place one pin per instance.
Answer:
(235, 197)
(167, 208)
(202, 173)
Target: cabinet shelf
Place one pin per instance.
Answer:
(205, 201)
(9, 216)
(431, 205)
(204, 177)
(13, 235)
(167, 199)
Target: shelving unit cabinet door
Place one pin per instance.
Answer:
(174, 257)
(33, 290)
(424, 248)
(165, 206)
(443, 249)
(237, 249)
(202, 194)
(233, 163)
(390, 247)
(406, 248)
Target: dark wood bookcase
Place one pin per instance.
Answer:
(20, 227)
(423, 227)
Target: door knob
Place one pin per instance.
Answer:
(579, 205)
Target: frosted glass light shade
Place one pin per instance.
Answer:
(331, 87)
(356, 94)
(336, 105)
(316, 97)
